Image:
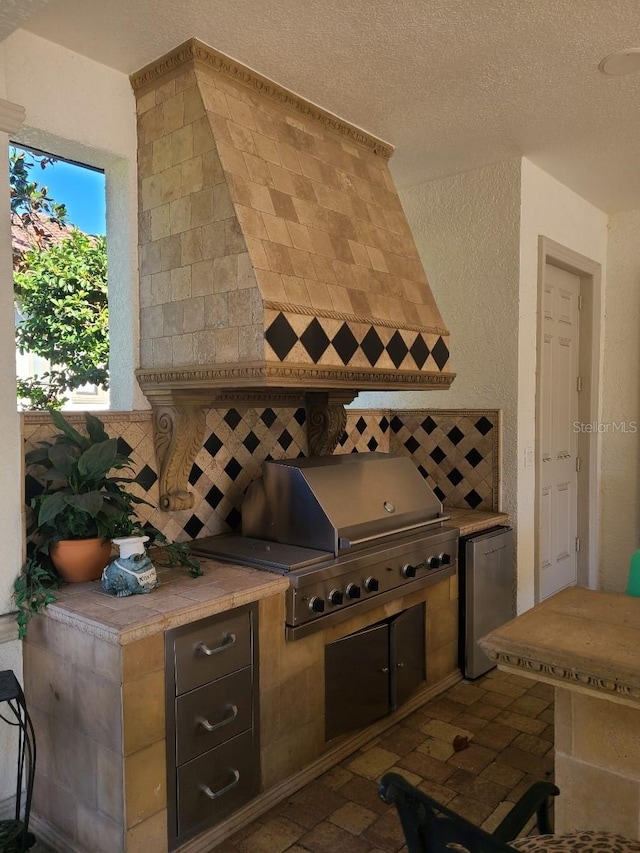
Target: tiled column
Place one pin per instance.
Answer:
(99, 714)
(72, 685)
(597, 763)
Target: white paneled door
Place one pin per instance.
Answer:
(558, 477)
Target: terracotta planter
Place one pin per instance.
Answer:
(80, 560)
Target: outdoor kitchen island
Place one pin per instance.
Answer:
(585, 643)
(95, 683)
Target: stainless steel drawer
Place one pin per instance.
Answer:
(209, 652)
(212, 714)
(217, 783)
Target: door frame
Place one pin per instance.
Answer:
(589, 368)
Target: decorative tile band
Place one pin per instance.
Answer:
(292, 308)
(326, 341)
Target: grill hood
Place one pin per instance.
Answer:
(335, 503)
(275, 257)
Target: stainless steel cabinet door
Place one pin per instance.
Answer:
(214, 713)
(488, 593)
(212, 650)
(357, 680)
(407, 642)
(215, 784)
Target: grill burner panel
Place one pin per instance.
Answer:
(375, 527)
(325, 589)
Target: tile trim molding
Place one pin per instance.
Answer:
(38, 418)
(216, 378)
(194, 50)
(568, 677)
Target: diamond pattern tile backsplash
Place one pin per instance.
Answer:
(458, 452)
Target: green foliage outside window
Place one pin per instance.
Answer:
(62, 296)
(31, 201)
(61, 292)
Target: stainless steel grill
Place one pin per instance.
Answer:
(350, 531)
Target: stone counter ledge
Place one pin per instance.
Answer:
(474, 520)
(581, 639)
(178, 600)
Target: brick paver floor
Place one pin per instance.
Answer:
(508, 721)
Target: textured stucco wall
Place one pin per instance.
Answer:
(477, 234)
(620, 452)
(550, 209)
(91, 119)
(466, 228)
(85, 111)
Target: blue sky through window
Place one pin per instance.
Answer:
(81, 189)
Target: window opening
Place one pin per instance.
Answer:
(58, 229)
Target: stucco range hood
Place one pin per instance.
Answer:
(276, 261)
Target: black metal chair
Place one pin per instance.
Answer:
(14, 833)
(432, 828)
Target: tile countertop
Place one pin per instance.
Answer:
(178, 600)
(474, 520)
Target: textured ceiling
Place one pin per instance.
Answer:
(14, 12)
(453, 84)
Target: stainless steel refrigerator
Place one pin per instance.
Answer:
(486, 591)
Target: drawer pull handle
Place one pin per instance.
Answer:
(229, 640)
(213, 795)
(211, 727)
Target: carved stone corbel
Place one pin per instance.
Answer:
(326, 420)
(178, 431)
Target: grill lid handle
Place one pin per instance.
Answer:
(345, 544)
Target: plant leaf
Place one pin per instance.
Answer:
(98, 460)
(90, 502)
(72, 433)
(38, 456)
(62, 461)
(50, 507)
(95, 428)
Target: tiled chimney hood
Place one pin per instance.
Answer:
(277, 265)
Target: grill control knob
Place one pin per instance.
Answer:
(433, 562)
(353, 590)
(445, 559)
(335, 597)
(371, 584)
(408, 571)
(316, 604)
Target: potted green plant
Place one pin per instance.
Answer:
(83, 503)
